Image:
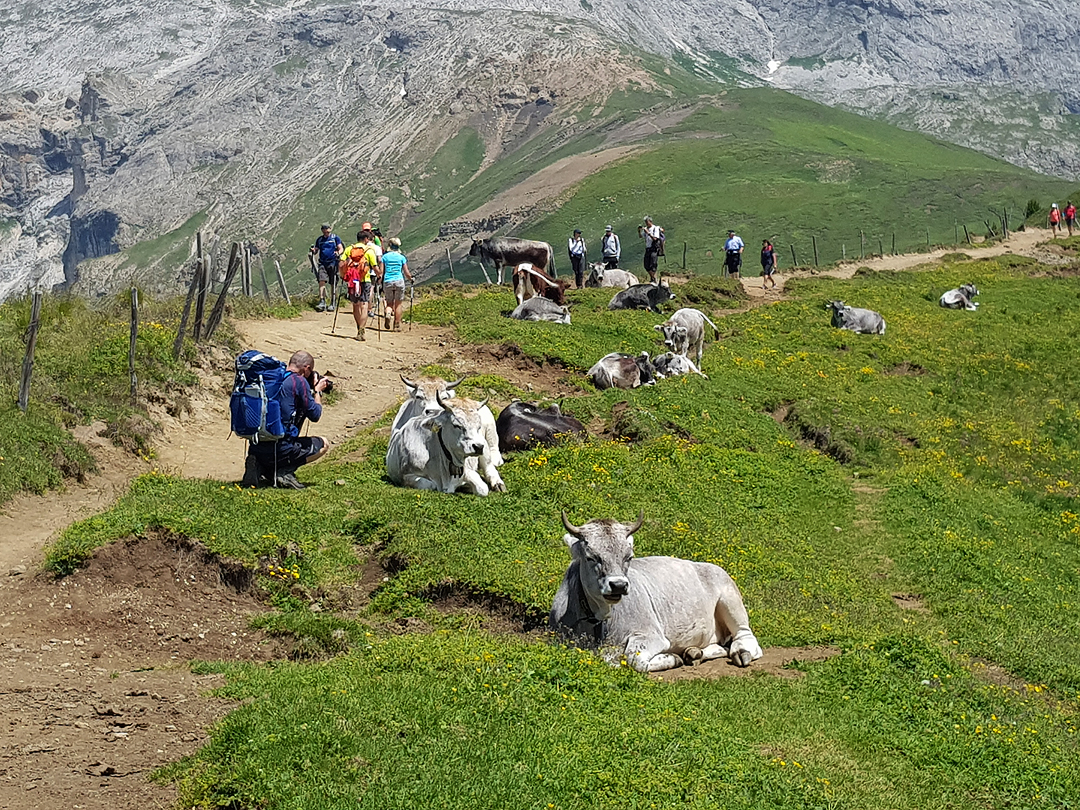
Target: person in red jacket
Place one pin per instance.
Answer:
(1055, 219)
(1070, 216)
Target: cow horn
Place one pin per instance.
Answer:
(439, 399)
(408, 383)
(570, 527)
(482, 403)
(455, 383)
(637, 524)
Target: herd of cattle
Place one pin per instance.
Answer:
(655, 613)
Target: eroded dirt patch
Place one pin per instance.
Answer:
(910, 601)
(776, 661)
(97, 687)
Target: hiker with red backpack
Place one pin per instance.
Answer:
(357, 265)
(1055, 219)
(1070, 216)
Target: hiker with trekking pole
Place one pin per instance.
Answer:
(394, 270)
(328, 248)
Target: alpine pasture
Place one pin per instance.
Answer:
(841, 479)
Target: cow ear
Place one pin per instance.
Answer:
(659, 327)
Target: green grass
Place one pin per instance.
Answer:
(938, 460)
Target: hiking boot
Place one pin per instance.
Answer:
(251, 473)
(386, 324)
(321, 307)
(288, 481)
(361, 336)
(330, 308)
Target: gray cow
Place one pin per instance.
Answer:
(642, 296)
(960, 298)
(541, 309)
(654, 612)
(684, 329)
(423, 400)
(675, 365)
(864, 321)
(509, 251)
(600, 276)
(617, 370)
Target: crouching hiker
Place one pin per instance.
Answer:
(286, 397)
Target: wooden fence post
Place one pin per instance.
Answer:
(794, 261)
(203, 274)
(928, 237)
(814, 240)
(880, 247)
(262, 274)
(894, 243)
(131, 343)
(967, 236)
(31, 344)
(843, 251)
(178, 344)
(862, 245)
(450, 262)
(956, 233)
(281, 283)
(219, 305)
(684, 255)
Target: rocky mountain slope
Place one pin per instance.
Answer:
(125, 126)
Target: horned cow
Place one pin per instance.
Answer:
(522, 425)
(685, 329)
(656, 613)
(541, 309)
(600, 276)
(447, 452)
(618, 370)
(960, 298)
(423, 394)
(509, 251)
(864, 321)
(642, 296)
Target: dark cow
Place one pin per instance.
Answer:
(622, 371)
(522, 425)
(509, 251)
(642, 296)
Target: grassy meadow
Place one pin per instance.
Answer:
(828, 472)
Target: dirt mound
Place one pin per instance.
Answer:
(98, 688)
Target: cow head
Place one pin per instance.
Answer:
(477, 246)
(970, 290)
(424, 392)
(837, 308)
(674, 336)
(603, 550)
(460, 430)
(596, 275)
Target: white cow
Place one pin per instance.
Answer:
(686, 329)
(423, 393)
(447, 452)
(541, 309)
(864, 321)
(674, 365)
(600, 276)
(656, 612)
(960, 298)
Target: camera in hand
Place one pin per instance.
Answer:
(314, 380)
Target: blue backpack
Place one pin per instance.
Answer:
(328, 249)
(256, 412)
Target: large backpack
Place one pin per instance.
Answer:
(328, 249)
(256, 412)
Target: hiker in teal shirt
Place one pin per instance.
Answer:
(393, 270)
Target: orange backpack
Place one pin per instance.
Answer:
(353, 263)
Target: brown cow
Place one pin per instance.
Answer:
(530, 282)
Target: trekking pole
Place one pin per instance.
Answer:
(337, 308)
(378, 315)
(412, 288)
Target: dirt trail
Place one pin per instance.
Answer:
(1023, 243)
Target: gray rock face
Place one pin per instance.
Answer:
(123, 121)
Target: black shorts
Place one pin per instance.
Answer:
(325, 271)
(286, 455)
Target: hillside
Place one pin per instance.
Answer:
(125, 128)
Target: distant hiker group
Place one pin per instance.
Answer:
(368, 274)
(1056, 216)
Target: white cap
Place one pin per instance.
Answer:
(1053, 205)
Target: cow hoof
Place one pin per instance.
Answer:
(691, 655)
(742, 658)
(499, 487)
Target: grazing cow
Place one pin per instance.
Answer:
(509, 251)
(541, 309)
(642, 296)
(654, 612)
(864, 321)
(684, 329)
(423, 401)
(529, 282)
(622, 371)
(599, 276)
(674, 365)
(960, 298)
(522, 425)
(447, 452)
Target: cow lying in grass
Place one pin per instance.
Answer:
(864, 321)
(675, 365)
(541, 309)
(423, 394)
(960, 298)
(656, 613)
(522, 425)
(600, 276)
(617, 370)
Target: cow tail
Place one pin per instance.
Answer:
(551, 258)
(716, 329)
